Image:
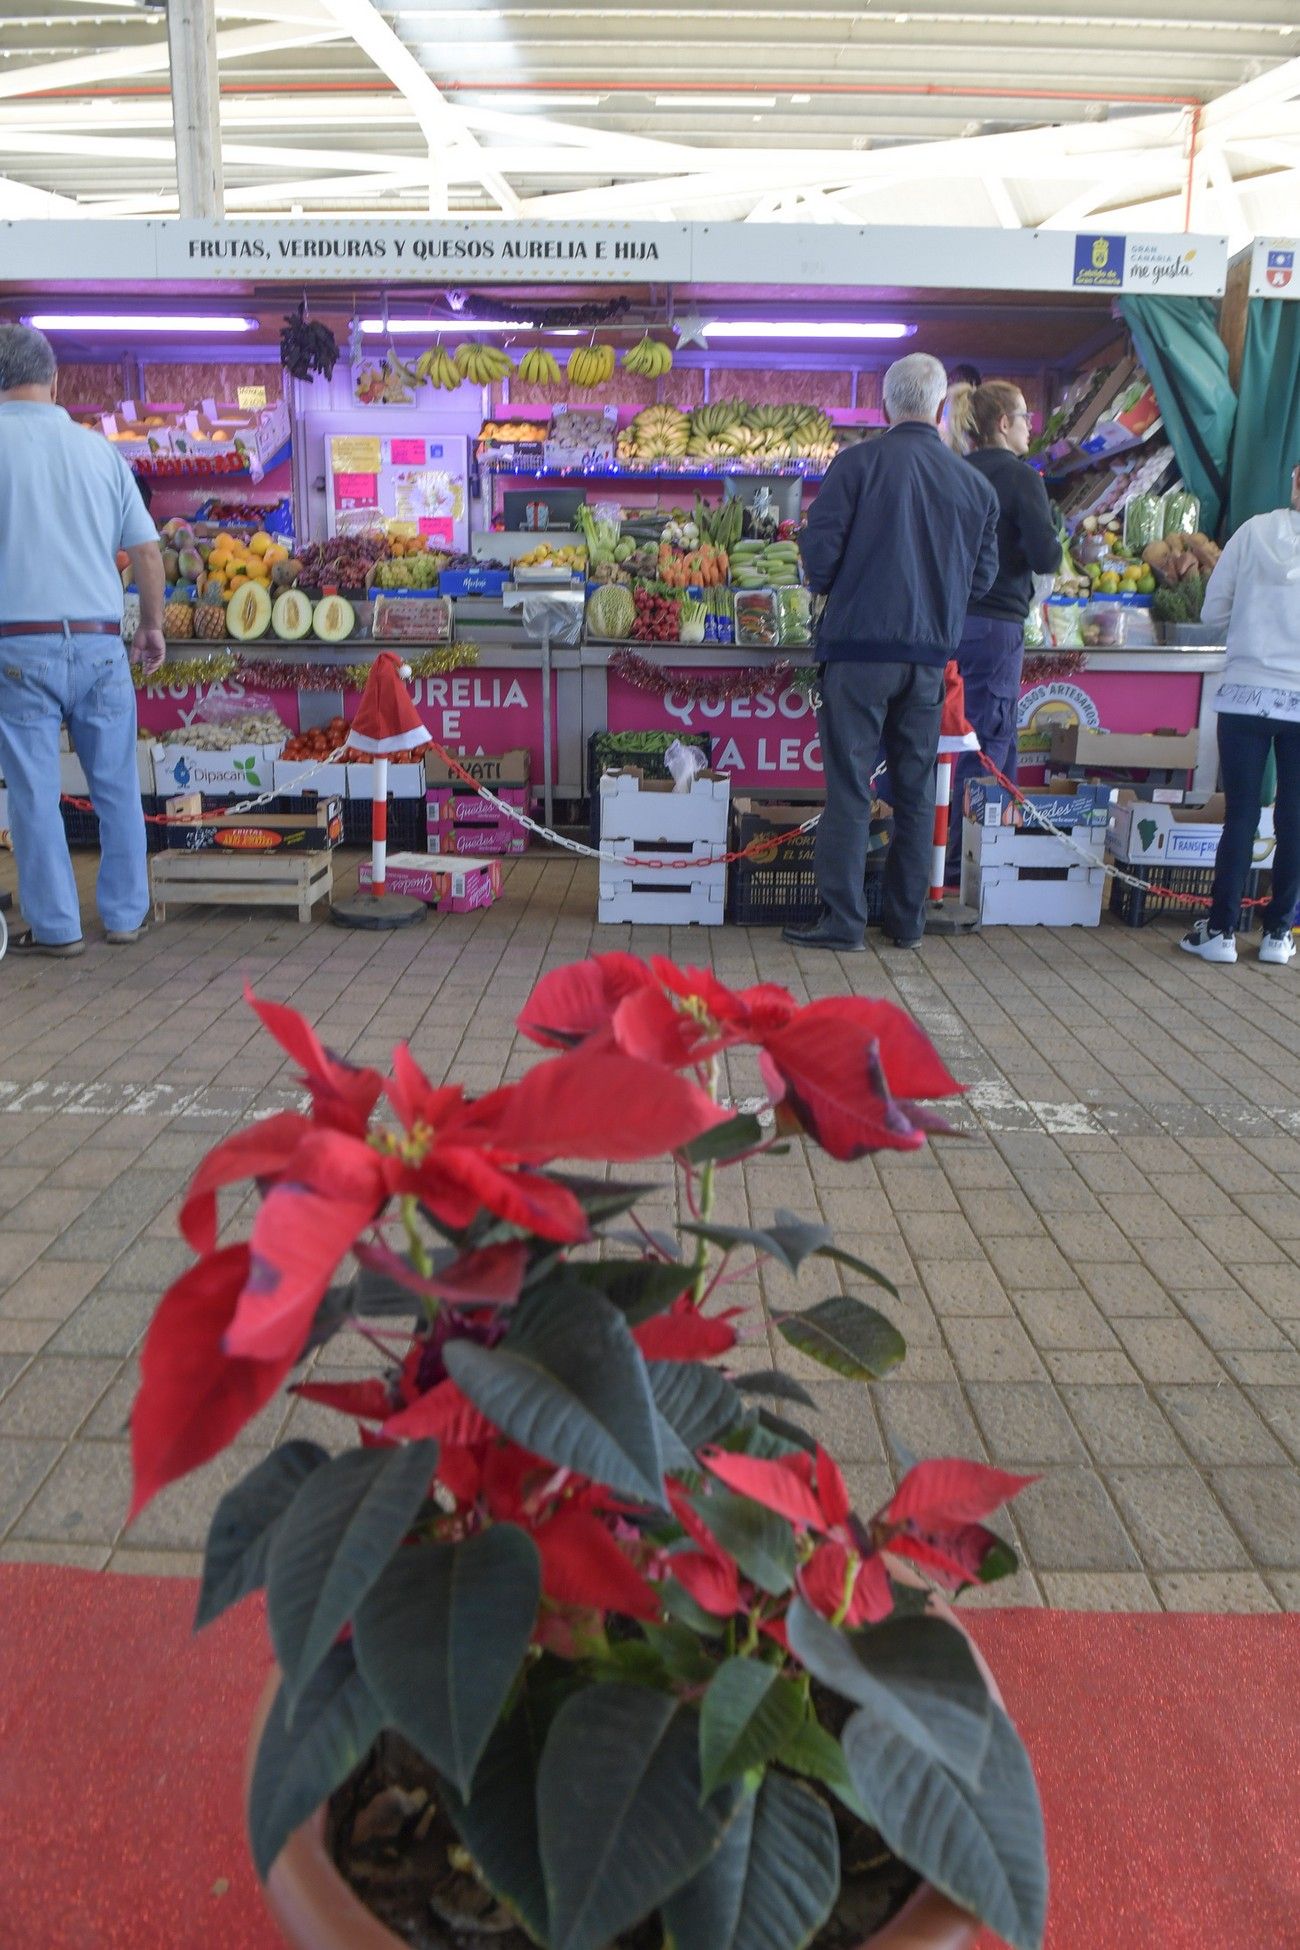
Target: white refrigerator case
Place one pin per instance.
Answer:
(418, 476)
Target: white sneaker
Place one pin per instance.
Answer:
(1278, 946)
(1208, 943)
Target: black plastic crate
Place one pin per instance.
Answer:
(407, 825)
(782, 892)
(81, 828)
(1135, 906)
(649, 759)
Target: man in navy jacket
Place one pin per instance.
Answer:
(901, 539)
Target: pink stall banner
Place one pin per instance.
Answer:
(475, 711)
(172, 707)
(768, 740)
(408, 453)
(1106, 700)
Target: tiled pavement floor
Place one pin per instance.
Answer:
(1102, 1285)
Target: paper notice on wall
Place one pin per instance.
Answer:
(428, 494)
(355, 453)
(356, 491)
(251, 398)
(408, 453)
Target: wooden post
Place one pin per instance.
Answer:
(196, 107)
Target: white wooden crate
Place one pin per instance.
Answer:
(633, 808)
(1017, 897)
(1024, 846)
(670, 896)
(216, 880)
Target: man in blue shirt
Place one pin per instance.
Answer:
(901, 539)
(68, 503)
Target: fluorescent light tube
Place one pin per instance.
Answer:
(110, 321)
(742, 328)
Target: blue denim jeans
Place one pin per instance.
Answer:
(1244, 745)
(83, 682)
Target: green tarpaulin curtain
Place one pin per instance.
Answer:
(1267, 443)
(1178, 342)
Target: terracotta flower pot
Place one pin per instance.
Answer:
(316, 1909)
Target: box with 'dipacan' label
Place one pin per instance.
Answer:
(188, 768)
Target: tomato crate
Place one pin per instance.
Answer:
(1135, 906)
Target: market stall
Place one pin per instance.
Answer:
(472, 418)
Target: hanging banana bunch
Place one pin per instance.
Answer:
(649, 360)
(436, 367)
(538, 368)
(591, 365)
(483, 365)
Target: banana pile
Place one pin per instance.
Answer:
(436, 367)
(538, 368)
(483, 365)
(649, 359)
(591, 365)
(657, 433)
(733, 428)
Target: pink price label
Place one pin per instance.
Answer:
(440, 527)
(408, 453)
(356, 490)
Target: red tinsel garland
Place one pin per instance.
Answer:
(1052, 666)
(701, 687)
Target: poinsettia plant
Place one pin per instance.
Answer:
(579, 1558)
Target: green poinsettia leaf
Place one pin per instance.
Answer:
(341, 1529)
(498, 1823)
(244, 1524)
(301, 1761)
(772, 1883)
(724, 1141)
(441, 1637)
(761, 1542)
(746, 1716)
(639, 1288)
(847, 1335)
(812, 1751)
(697, 1402)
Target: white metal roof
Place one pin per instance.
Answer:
(1013, 113)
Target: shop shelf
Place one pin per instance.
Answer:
(1135, 906)
(659, 471)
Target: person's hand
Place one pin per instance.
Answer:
(1295, 489)
(149, 650)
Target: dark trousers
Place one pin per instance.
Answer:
(1244, 746)
(990, 657)
(865, 705)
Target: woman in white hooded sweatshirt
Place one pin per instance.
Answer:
(1255, 592)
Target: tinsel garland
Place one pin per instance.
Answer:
(547, 318)
(277, 674)
(212, 669)
(699, 686)
(1052, 666)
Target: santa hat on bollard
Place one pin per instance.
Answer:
(387, 720)
(955, 732)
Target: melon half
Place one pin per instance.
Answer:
(334, 619)
(248, 613)
(291, 616)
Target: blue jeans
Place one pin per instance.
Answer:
(85, 682)
(1244, 744)
(990, 657)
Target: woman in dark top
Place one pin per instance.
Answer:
(990, 425)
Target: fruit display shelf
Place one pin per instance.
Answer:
(658, 470)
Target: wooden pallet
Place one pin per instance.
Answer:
(216, 880)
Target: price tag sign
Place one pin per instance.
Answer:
(356, 491)
(251, 398)
(355, 453)
(408, 453)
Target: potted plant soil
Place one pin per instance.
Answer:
(583, 1644)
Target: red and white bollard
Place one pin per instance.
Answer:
(379, 828)
(945, 771)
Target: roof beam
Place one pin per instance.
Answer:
(441, 130)
(123, 63)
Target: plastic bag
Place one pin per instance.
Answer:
(794, 612)
(1143, 522)
(1064, 624)
(1180, 514)
(684, 764)
(1104, 625)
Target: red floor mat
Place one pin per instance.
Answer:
(1168, 1749)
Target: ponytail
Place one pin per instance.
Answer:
(975, 411)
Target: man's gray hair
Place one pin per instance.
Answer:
(915, 388)
(26, 358)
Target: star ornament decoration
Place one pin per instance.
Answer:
(691, 330)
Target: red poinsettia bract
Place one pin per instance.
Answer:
(848, 1070)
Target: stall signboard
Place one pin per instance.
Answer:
(502, 251)
(477, 711)
(1275, 267)
(1101, 700)
(764, 741)
(163, 707)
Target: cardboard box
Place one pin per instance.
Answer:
(458, 821)
(493, 771)
(293, 777)
(243, 770)
(1151, 834)
(252, 833)
(1065, 802)
(1026, 897)
(633, 807)
(452, 885)
(990, 847)
(1164, 751)
(404, 781)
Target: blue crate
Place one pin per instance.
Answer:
(472, 582)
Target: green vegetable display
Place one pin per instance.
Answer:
(1181, 603)
(611, 611)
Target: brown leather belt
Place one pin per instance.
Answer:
(57, 629)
